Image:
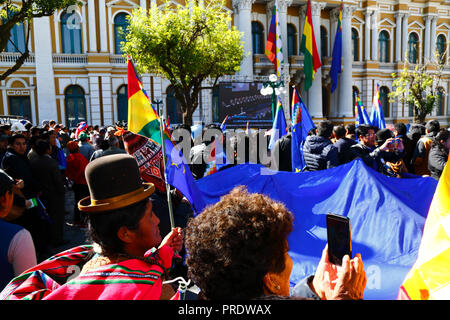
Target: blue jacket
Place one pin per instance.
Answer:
(319, 153)
(7, 233)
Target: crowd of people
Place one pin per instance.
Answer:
(422, 151)
(124, 217)
(49, 160)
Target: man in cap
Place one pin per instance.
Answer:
(86, 149)
(129, 257)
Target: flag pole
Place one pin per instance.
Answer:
(163, 146)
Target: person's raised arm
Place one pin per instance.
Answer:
(346, 282)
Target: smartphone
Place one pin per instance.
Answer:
(339, 238)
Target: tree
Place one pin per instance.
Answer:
(11, 15)
(185, 45)
(419, 86)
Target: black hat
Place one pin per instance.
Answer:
(383, 135)
(114, 182)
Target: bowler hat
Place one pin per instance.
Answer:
(114, 182)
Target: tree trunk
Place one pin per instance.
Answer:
(187, 118)
(419, 116)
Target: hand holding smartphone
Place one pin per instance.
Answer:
(339, 238)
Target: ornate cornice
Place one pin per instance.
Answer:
(316, 8)
(243, 4)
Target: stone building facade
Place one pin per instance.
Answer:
(78, 73)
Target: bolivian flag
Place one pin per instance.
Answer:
(308, 47)
(429, 278)
(142, 118)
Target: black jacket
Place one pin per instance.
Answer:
(319, 153)
(374, 158)
(18, 167)
(281, 154)
(343, 145)
(437, 158)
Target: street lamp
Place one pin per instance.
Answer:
(273, 87)
(157, 102)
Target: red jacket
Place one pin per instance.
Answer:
(76, 164)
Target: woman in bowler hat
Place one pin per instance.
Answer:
(128, 259)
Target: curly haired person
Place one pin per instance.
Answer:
(238, 249)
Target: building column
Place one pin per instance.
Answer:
(92, 26)
(45, 85)
(375, 36)
(427, 31)
(334, 98)
(32, 86)
(94, 100)
(108, 112)
(143, 4)
(102, 26)
(85, 27)
(405, 36)
(57, 32)
(284, 72)
(315, 92)
(433, 37)
(398, 37)
(345, 88)
(367, 27)
(245, 26)
(282, 10)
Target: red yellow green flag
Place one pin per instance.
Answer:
(308, 47)
(429, 278)
(142, 118)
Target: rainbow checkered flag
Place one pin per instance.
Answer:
(274, 47)
(377, 117)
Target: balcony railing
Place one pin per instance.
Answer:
(117, 59)
(67, 58)
(261, 60)
(9, 58)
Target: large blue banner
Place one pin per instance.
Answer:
(387, 215)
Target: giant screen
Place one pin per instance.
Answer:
(242, 102)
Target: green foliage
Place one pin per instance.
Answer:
(10, 15)
(185, 45)
(418, 86)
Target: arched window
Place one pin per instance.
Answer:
(71, 33)
(75, 106)
(440, 102)
(383, 45)
(120, 30)
(291, 40)
(441, 43)
(174, 112)
(323, 42)
(16, 41)
(413, 43)
(122, 103)
(355, 44)
(257, 38)
(384, 99)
